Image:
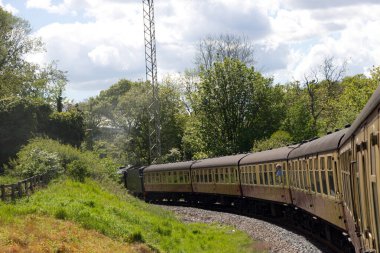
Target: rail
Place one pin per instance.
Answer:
(24, 187)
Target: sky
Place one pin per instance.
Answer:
(99, 42)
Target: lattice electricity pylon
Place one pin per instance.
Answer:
(151, 75)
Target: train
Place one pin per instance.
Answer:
(329, 186)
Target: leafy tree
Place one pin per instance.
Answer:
(15, 41)
(356, 92)
(67, 126)
(217, 48)
(298, 119)
(278, 139)
(232, 103)
(20, 119)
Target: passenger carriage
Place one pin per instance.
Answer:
(264, 175)
(359, 158)
(313, 178)
(169, 181)
(217, 179)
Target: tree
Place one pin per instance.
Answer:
(298, 119)
(19, 77)
(216, 48)
(356, 92)
(233, 104)
(278, 139)
(323, 87)
(15, 41)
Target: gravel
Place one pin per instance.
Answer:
(267, 236)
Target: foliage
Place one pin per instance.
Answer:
(298, 120)
(119, 120)
(233, 107)
(89, 162)
(19, 77)
(77, 170)
(67, 126)
(356, 92)
(277, 139)
(32, 162)
(124, 219)
(15, 41)
(214, 49)
(20, 120)
(174, 155)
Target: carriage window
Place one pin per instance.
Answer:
(261, 174)
(221, 175)
(304, 163)
(296, 175)
(291, 167)
(330, 174)
(316, 174)
(254, 175)
(232, 173)
(251, 175)
(323, 175)
(265, 175)
(197, 176)
(226, 176)
(181, 177)
(270, 174)
(301, 170)
(216, 175)
(185, 177)
(312, 179)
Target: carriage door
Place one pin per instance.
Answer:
(365, 194)
(373, 153)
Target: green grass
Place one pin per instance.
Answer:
(124, 218)
(8, 179)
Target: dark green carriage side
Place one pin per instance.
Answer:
(133, 180)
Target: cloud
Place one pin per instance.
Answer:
(9, 8)
(290, 36)
(326, 4)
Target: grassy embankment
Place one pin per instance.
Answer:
(89, 216)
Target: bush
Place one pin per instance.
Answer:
(77, 170)
(31, 118)
(67, 126)
(37, 161)
(41, 154)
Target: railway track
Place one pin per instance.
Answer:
(275, 234)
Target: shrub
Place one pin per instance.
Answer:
(41, 154)
(77, 170)
(38, 161)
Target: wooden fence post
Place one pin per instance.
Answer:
(19, 189)
(13, 191)
(2, 192)
(26, 187)
(31, 182)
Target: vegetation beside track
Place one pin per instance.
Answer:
(74, 213)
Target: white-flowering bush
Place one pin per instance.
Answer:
(38, 161)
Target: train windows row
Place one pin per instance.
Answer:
(316, 174)
(263, 174)
(167, 177)
(215, 175)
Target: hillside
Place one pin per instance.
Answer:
(70, 216)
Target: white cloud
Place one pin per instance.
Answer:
(9, 8)
(105, 56)
(291, 36)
